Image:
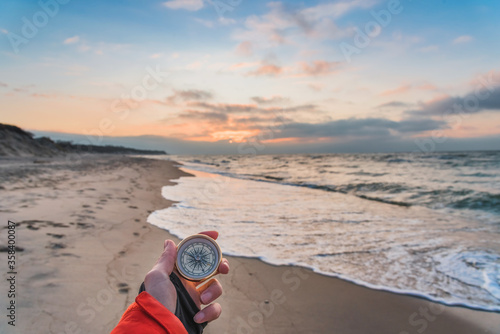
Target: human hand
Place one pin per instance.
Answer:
(209, 292)
(157, 283)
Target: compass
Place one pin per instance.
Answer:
(198, 257)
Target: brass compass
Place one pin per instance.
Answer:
(198, 257)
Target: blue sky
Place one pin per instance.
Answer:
(303, 75)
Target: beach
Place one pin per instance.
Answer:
(85, 246)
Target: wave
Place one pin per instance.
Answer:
(479, 201)
(434, 181)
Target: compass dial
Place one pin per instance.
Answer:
(198, 257)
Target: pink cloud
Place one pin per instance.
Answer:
(244, 49)
(318, 67)
(267, 69)
(397, 91)
(71, 40)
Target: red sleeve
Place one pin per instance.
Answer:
(147, 315)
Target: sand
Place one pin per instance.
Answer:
(86, 247)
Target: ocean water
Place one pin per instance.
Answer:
(423, 224)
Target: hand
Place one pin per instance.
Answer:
(158, 284)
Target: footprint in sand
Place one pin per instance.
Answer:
(5, 249)
(84, 225)
(57, 236)
(56, 245)
(123, 287)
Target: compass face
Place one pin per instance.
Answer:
(198, 257)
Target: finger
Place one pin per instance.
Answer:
(209, 313)
(166, 262)
(212, 292)
(224, 266)
(211, 234)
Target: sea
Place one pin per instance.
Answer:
(425, 224)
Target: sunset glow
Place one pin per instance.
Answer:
(308, 72)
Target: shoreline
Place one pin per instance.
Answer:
(211, 193)
(85, 279)
(414, 294)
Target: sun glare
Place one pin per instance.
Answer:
(234, 136)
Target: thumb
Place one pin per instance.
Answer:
(167, 259)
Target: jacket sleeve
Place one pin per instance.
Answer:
(147, 315)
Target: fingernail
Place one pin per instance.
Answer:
(199, 317)
(205, 297)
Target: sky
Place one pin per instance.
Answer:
(241, 76)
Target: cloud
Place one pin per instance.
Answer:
(301, 69)
(4, 31)
(190, 95)
(397, 91)
(476, 101)
(393, 104)
(407, 87)
(285, 25)
(462, 39)
(230, 108)
(270, 100)
(336, 9)
(226, 108)
(359, 128)
(238, 66)
(267, 69)
(210, 116)
(427, 86)
(191, 5)
(71, 40)
(3, 84)
(484, 96)
(318, 67)
(244, 49)
(301, 108)
(256, 122)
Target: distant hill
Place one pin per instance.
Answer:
(16, 142)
